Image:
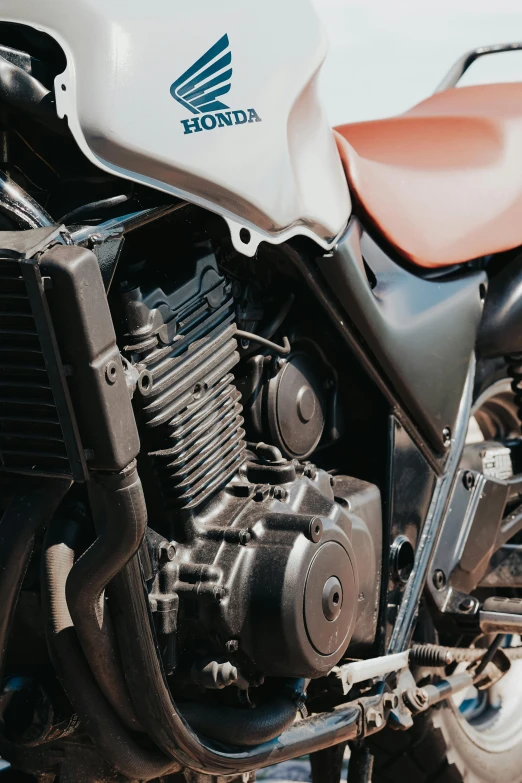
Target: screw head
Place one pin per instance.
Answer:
(111, 372)
(310, 471)
(244, 537)
(232, 646)
(439, 579)
(374, 719)
(468, 479)
(315, 529)
(167, 551)
(94, 239)
(219, 592)
(446, 437)
(467, 604)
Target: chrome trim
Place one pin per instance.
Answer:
(20, 207)
(123, 224)
(459, 68)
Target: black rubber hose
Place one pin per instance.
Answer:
(92, 208)
(22, 91)
(125, 520)
(31, 506)
(243, 727)
(110, 738)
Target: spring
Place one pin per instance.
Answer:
(435, 655)
(431, 655)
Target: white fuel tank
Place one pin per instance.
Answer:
(215, 102)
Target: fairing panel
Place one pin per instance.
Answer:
(274, 170)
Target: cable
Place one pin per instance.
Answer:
(490, 653)
(282, 350)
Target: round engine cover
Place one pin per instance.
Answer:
(293, 588)
(329, 607)
(296, 407)
(305, 602)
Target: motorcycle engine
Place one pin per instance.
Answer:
(258, 563)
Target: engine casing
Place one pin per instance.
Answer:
(281, 573)
(272, 563)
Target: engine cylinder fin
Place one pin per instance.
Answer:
(196, 382)
(191, 417)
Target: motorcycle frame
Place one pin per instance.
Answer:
(440, 453)
(348, 722)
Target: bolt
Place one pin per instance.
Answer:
(167, 551)
(439, 579)
(244, 537)
(416, 699)
(219, 593)
(374, 719)
(310, 471)
(467, 604)
(390, 701)
(468, 479)
(261, 493)
(94, 240)
(280, 493)
(232, 646)
(111, 372)
(446, 437)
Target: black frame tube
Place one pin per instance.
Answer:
(165, 723)
(125, 518)
(110, 738)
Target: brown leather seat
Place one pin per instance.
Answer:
(442, 182)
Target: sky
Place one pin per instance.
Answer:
(387, 55)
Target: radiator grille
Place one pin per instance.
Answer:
(31, 432)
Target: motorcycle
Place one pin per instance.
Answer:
(260, 407)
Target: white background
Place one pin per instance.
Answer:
(386, 55)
